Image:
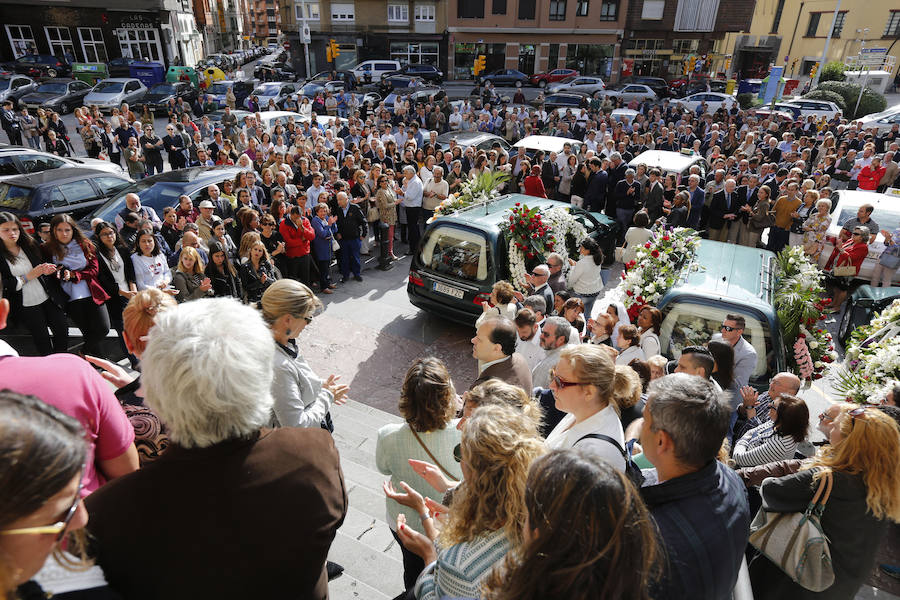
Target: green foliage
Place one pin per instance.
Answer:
(745, 100)
(820, 94)
(833, 71)
(871, 102)
(846, 90)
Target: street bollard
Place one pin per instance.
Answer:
(384, 262)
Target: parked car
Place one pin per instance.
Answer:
(317, 86)
(882, 121)
(120, 67)
(714, 101)
(587, 84)
(267, 118)
(505, 77)
(462, 255)
(816, 108)
(427, 72)
(791, 109)
(13, 86)
(37, 197)
(349, 79)
(862, 305)
(547, 77)
(732, 279)
(398, 82)
(764, 112)
(215, 117)
(480, 140)
(20, 160)
(111, 93)
(675, 163)
(630, 91)
(547, 143)
(683, 87)
(564, 100)
(39, 66)
(274, 72)
(370, 71)
(240, 89)
(657, 84)
(418, 95)
(60, 95)
(162, 190)
(158, 96)
(844, 206)
(276, 90)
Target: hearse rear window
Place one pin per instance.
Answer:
(457, 253)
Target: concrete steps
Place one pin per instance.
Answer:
(373, 567)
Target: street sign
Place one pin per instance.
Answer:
(873, 51)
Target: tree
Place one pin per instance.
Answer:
(833, 71)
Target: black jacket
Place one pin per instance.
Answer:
(49, 282)
(223, 284)
(654, 204)
(251, 280)
(105, 276)
(352, 226)
(718, 209)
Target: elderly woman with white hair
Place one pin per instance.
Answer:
(251, 511)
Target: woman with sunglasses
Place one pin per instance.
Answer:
(776, 439)
(862, 457)
(302, 399)
(851, 253)
(583, 383)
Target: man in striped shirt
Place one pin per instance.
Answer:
(754, 410)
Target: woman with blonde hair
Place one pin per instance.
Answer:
(256, 272)
(862, 458)
(628, 394)
(583, 383)
(502, 303)
(488, 513)
(189, 279)
(302, 399)
(588, 536)
(429, 433)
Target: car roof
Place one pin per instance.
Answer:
(467, 137)
(730, 272)
(670, 161)
(59, 80)
(550, 143)
(58, 176)
(118, 79)
(492, 214)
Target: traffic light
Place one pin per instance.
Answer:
(332, 51)
(479, 64)
(691, 64)
(815, 68)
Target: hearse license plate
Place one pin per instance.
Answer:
(449, 290)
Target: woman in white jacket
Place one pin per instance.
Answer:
(584, 276)
(302, 399)
(150, 267)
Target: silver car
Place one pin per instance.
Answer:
(111, 93)
(882, 121)
(14, 86)
(277, 91)
(589, 84)
(630, 91)
(18, 160)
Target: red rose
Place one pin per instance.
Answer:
(623, 276)
(647, 245)
(665, 238)
(518, 204)
(802, 336)
(530, 255)
(654, 253)
(629, 292)
(512, 218)
(631, 264)
(640, 299)
(817, 376)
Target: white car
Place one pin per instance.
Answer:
(676, 163)
(277, 91)
(845, 206)
(111, 93)
(816, 108)
(714, 101)
(18, 160)
(578, 83)
(882, 121)
(546, 143)
(630, 91)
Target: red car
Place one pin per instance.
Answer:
(542, 79)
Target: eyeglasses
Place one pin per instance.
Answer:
(728, 328)
(308, 319)
(561, 383)
(824, 416)
(59, 528)
(857, 413)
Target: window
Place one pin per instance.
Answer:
(36, 164)
(92, 45)
(308, 11)
(839, 24)
(582, 9)
(685, 46)
(78, 191)
(343, 12)
(609, 10)
(424, 12)
(398, 13)
(813, 25)
(653, 10)
(498, 7)
(142, 44)
(55, 198)
(458, 253)
(696, 15)
(60, 41)
(778, 12)
(526, 9)
(557, 10)
(21, 40)
(470, 9)
(8, 167)
(892, 29)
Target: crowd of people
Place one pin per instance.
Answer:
(580, 462)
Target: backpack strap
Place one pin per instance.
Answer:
(605, 438)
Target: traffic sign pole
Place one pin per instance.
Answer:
(815, 82)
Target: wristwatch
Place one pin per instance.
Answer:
(424, 516)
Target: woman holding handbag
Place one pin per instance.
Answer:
(428, 404)
(861, 458)
(844, 264)
(886, 269)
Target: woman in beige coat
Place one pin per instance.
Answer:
(386, 201)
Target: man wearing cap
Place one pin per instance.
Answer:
(204, 221)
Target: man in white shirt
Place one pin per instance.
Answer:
(529, 337)
(455, 119)
(412, 192)
(436, 191)
(554, 336)
(313, 191)
(731, 332)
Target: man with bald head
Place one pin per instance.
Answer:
(133, 205)
(723, 211)
(754, 409)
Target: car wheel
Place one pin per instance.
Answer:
(844, 328)
(51, 73)
(63, 109)
(542, 83)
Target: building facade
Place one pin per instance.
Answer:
(410, 31)
(793, 32)
(663, 35)
(533, 36)
(98, 31)
(265, 21)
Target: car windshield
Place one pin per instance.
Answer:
(108, 87)
(156, 195)
(4, 84)
(617, 87)
(458, 253)
(270, 89)
(52, 88)
(311, 89)
(887, 218)
(568, 79)
(163, 89)
(15, 197)
(219, 89)
(693, 324)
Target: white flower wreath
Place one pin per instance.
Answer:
(561, 223)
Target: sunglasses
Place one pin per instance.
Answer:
(560, 383)
(59, 528)
(308, 319)
(728, 328)
(857, 413)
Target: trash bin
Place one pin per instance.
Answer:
(149, 73)
(790, 85)
(90, 73)
(177, 73)
(729, 86)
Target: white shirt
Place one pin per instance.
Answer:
(531, 352)
(584, 277)
(33, 293)
(629, 354)
(567, 433)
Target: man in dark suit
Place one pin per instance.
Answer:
(747, 197)
(351, 223)
(10, 124)
(598, 182)
(616, 172)
(723, 210)
(550, 175)
(494, 345)
(627, 199)
(655, 196)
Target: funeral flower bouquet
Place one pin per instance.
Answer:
(482, 189)
(872, 361)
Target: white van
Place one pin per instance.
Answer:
(370, 71)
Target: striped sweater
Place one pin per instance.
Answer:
(763, 445)
(459, 569)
